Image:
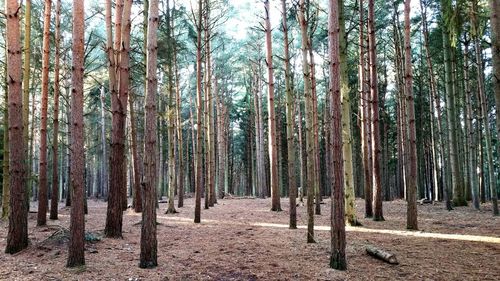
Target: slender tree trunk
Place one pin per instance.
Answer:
(114, 216)
(273, 153)
(149, 243)
(198, 175)
(178, 107)
(377, 188)
(495, 40)
(346, 122)
(317, 192)
(54, 200)
(26, 91)
(365, 117)
(301, 150)
(471, 141)
(338, 237)
(309, 124)
(76, 254)
(289, 125)
(42, 177)
(137, 201)
(411, 213)
(104, 170)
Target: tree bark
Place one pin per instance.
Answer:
(114, 216)
(347, 138)
(309, 124)
(377, 188)
(42, 177)
(495, 40)
(26, 91)
(136, 180)
(54, 200)
(17, 237)
(76, 246)
(273, 153)
(338, 237)
(149, 243)
(198, 161)
(365, 117)
(411, 213)
(292, 185)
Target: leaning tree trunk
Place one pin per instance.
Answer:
(377, 188)
(149, 243)
(42, 177)
(309, 125)
(76, 246)
(292, 185)
(180, 201)
(54, 200)
(273, 153)
(411, 198)
(338, 239)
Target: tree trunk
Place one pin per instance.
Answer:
(484, 111)
(365, 117)
(346, 122)
(471, 141)
(377, 188)
(42, 177)
(198, 175)
(411, 213)
(292, 185)
(149, 243)
(54, 200)
(136, 181)
(76, 246)
(338, 237)
(309, 124)
(26, 91)
(495, 40)
(178, 107)
(114, 215)
(273, 153)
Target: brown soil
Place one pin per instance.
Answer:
(241, 239)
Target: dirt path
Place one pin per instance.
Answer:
(240, 239)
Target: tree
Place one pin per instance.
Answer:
(17, 237)
(375, 126)
(76, 246)
(309, 124)
(149, 243)
(5, 162)
(338, 243)
(411, 198)
(273, 153)
(347, 138)
(55, 139)
(365, 117)
(26, 83)
(42, 178)
(292, 185)
(198, 175)
(495, 40)
(483, 109)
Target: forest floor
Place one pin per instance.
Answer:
(241, 239)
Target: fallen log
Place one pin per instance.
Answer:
(382, 255)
